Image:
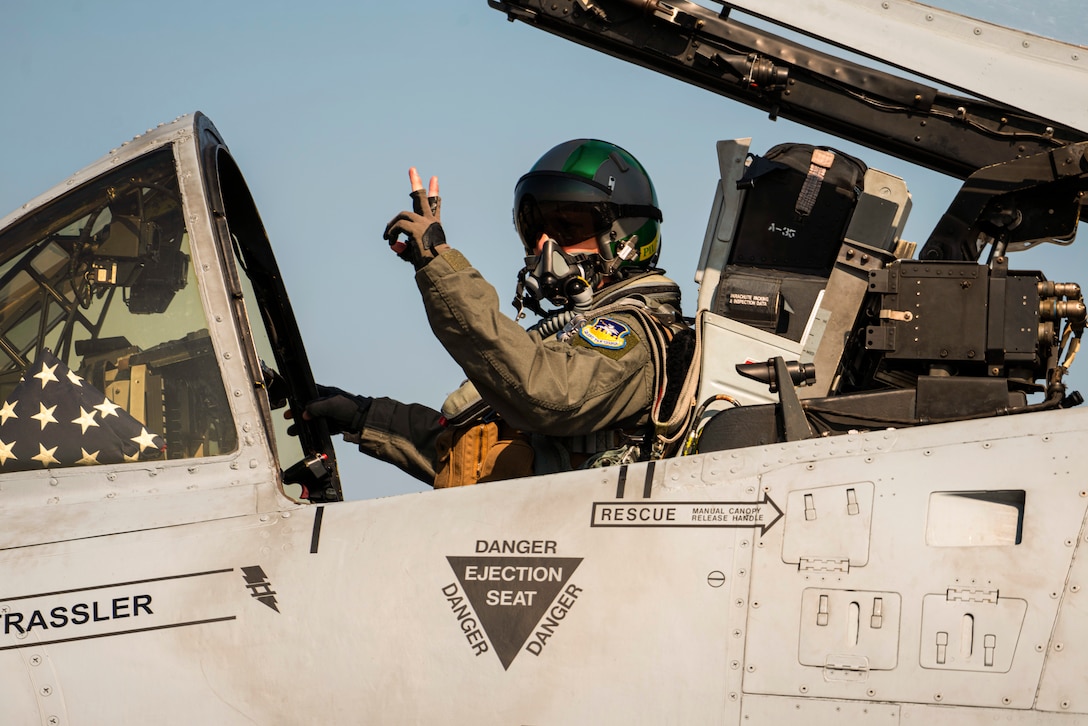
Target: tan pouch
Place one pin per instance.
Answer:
(481, 453)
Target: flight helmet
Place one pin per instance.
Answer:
(584, 189)
(579, 190)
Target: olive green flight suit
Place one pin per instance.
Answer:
(600, 378)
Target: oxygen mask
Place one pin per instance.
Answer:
(560, 278)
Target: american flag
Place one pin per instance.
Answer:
(54, 418)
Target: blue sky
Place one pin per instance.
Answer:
(325, 105)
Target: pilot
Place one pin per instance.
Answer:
(577, 388)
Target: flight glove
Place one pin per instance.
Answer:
(342, 411)
(422, 227)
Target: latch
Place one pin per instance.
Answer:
(668, 13)
(904, 316)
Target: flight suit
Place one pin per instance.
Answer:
(599, 378)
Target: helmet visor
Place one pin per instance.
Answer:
(568, 223)
(565, 207)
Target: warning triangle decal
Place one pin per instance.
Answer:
(511, 594)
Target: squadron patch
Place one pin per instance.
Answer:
(606, 333)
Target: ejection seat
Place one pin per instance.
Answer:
(783, 272)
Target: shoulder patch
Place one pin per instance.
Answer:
(606, 333)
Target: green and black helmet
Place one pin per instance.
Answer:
(584, 189)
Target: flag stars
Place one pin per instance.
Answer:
(45, 415)
(88, 459)
(45, 456)
(146, 439)
(74, 424)
(8, 411)
(6, 452)
(85, 420)
(107, 408)
(46, 374)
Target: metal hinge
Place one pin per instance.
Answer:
(825, 564)
(880, 337)
(846, 668)
(956, 594)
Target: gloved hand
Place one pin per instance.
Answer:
(422, 226)
(342, 411)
